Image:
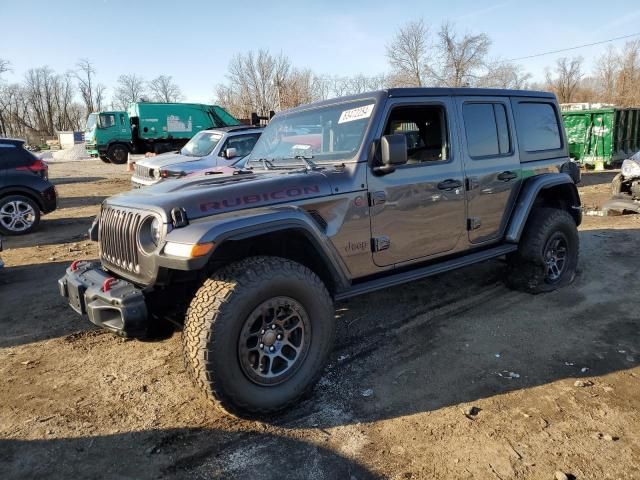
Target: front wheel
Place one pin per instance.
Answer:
(258, 333)
(104, 158)
(118, 154)
(547, 255)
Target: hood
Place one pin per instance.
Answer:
(167, 159)
(206, 195)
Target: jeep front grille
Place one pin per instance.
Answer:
(143, 172)
(118, 234)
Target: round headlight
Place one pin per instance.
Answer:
(150, 234)
(156, 173)
(630, 168)
(156, 231)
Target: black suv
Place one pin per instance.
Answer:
(337, 199)
(25, 190)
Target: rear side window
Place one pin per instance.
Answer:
(538, 128)
(12, 156)
(487, 129)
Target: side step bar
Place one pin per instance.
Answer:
(424, 272)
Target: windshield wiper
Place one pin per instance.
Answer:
(309, 165)
(266, 164)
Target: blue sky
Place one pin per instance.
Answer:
(194, 40)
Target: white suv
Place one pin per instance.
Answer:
(216, 147)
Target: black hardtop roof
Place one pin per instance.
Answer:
(427, 92)
(12, 141)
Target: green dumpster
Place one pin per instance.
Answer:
(604, 136)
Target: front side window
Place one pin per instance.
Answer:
(242, 143)
(487, 129)
(425, 130)
(538, 128)
(325, 134)
(201, 144)
(107, 120)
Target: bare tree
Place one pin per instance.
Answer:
(92, 94)
(564, 81)
(163, 89)
(501, 74)
(131, 88)
(605, 73)
(462, 60)
(5, 66)
(628, 77)
(407, 54)
(257, 82)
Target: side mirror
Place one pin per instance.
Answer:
(230, 153)
(393, 152)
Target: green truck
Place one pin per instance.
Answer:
(149, 127)
(604, 136)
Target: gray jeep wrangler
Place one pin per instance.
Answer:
(338, 198)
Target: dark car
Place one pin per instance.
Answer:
(25, 190)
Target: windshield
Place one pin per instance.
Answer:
(201, 144)
(91, 122)
(325, 134)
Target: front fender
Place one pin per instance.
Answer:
(528, 195)
(245, 224)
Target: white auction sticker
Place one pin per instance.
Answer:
(356, 114)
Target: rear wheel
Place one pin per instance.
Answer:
(547, 255)
(258, 333)
(104, 158)
(18, 215)
(118, 154)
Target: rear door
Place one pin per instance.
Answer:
(418, 210)
(491, 164)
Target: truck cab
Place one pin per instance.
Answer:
(104, 128)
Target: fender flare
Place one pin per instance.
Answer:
(264, 221)
(527, 197)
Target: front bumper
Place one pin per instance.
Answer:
(120, 309)
(139, 182)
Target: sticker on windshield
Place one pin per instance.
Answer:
(356, 114)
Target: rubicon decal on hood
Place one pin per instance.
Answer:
(252, 199)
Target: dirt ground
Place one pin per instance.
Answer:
(76, 402)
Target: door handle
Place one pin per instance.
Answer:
(507, 176)
(449, 184)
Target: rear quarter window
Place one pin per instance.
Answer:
(12, 156)
(539, 131)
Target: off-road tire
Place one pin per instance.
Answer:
(118, 154)
(616, 185)
(526, 267)
(104, 158)
(216, 317)
(25, 200)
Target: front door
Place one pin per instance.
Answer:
(491, 163)
(419, 209)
